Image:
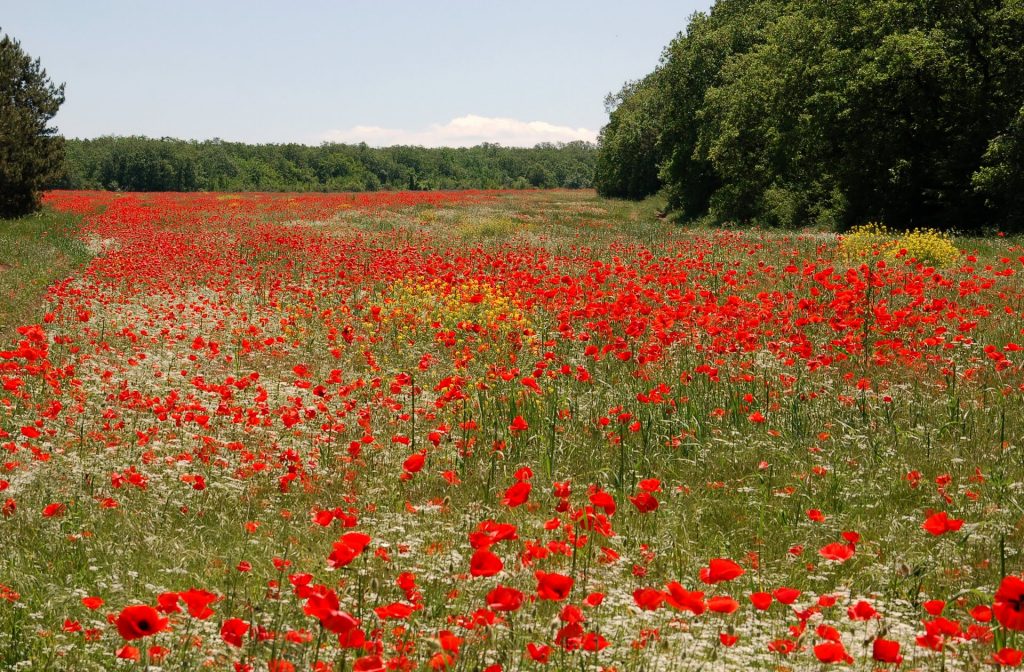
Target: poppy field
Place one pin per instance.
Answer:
(488, 430)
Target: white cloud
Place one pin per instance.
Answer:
(464, 131)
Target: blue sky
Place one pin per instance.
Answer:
(381, 71)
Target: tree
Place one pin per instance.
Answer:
(30, 151)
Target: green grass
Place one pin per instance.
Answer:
(35, 251)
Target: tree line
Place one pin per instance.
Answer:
(830, 113)
(167, 164)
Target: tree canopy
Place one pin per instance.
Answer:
(802, 112)
(30, 150)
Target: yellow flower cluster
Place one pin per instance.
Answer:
(926, 246)
(414, 303)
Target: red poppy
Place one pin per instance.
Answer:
(233, 630)
(485, 563)
(197, 601)
(862, 611)
(368, 664)
(92, 602)
(414, 462)
(503, 598)
(644, 502)
(1008, 657)
(517, 494)
(832, 652)
(539, 653)
(786, 595)
(723, 604)
(940, 523)
(1009, 603)
(348, 548)
(139, 621)
(518, 424)
(761, 601)
(552, 586)
(648, 599)
(836, 552)
(719, 570)
(886, 651)
(685, 600)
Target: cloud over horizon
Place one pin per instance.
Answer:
(464, 131)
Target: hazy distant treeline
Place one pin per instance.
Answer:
(148, 164)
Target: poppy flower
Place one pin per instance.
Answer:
(485, 563)
(940, 523)
(197, 601)
(648, 599)
(414, 463)
(348, 548)
(368, 664)
(685, 600)
(832, 652)
(786, 595)
(761, 601)
(1009, 603)
(723, 604)
(719, 570)
(139, 621)
(644, 502)
(836, 552)
(233, 630)
(518, 424)
(517, 494)
(92, 603)
(886, 651)
(1008, 657)
(503, 598)
(538, 653)
(727, 639)
(862, 611)
(552, 586)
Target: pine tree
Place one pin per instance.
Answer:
(30, 151)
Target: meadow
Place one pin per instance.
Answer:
(487, 430)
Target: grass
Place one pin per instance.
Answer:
(35, 251)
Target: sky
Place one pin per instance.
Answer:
(384, 72)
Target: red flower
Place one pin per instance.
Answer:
(233, 630)
(92, 602)
(644, 502)
(832, 652)
(648, 599)
(485, 563)
(761, 601)
(518, 424)
(940, 523)
(1008, 657)
(348, 548)
(726, 639)
(720, 569)
(553, 586)
(837, 552)
(198, 602)
(1009, 603)
(139, 621)
(517, 494)
(862, 611)
(414, 462)
(723, 604)
(539, 653)
(685, 600)
(504, 598)
(53, 510)
(786, 595)
(368, 664)
(886, 651)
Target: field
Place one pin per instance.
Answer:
(506, 431)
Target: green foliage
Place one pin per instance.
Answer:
(30, 151)
(147, 164)
(801, 112)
